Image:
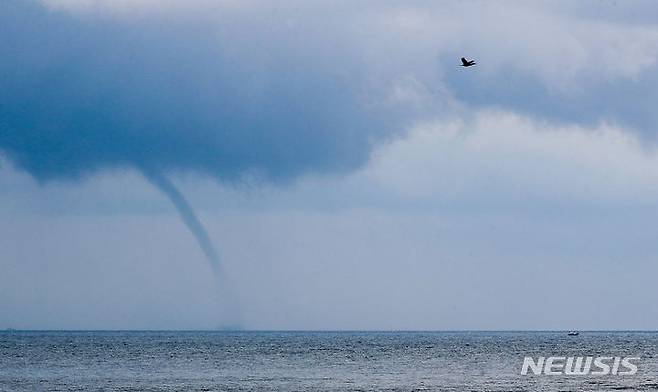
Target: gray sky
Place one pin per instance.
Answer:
(350, 174)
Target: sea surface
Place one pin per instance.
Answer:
(312, 361)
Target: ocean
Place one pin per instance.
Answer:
(313, 361)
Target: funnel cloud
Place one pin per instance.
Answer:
(187, 214)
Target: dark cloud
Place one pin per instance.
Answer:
(80, 94)
(281, 90)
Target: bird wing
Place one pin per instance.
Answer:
(464, 61)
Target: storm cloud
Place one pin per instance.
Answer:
(80, 94)
(280, 90)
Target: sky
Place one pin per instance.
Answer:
(328, 165)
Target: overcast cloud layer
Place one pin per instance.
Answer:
(350, 172)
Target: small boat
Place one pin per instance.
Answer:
(573, 333)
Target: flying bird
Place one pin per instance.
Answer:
(467, 63)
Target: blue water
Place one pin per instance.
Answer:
(311, 361)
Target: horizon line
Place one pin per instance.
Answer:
(240, 330)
